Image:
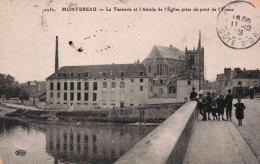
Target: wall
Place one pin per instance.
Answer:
(167, 143)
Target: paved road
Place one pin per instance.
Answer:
(251, 125)
(217, 142)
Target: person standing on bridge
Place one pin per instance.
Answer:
(240, 107)
(221, 106)
(229, 99)
(193, 94)
(209, 102)
(201, 106)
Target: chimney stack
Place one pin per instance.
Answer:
(56, 56)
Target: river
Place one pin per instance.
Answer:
(34, 143)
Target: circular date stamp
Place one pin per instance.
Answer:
(237, 25)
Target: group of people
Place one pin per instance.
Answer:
(215, 105)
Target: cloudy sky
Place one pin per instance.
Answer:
(27, 33)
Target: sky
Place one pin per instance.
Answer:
(27, 33)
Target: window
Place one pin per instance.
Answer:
(65, 96)
(113, 85)
(141, 88)
(122, 74)
(79, 74)
(72, 75)
(64, 75)
(141, 80)
(189, 82)
(86, 74)
(65, 86)
(239, 83)
(51, 86)
(94, 96)
(58, 86)
(161, 91)
(161, 81)
(79, 85)
(132, 80)
(172, 89)
(71, 96)
(104, 74)
(78, 96)
(121, 104)
(151, 88)
(226, 83)
(94, 86)
(58, 95)
(86, 96)
(149, 68)
(122, 84)
(141, 73)
(104, 84)
(51, 94)
(72, 86)
(86, 86)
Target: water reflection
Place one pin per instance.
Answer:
(95, 143)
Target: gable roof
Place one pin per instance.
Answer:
(100, 71)
(166, 52)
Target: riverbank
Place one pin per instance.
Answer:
(153, 115)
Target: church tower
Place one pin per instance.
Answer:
(56, 56)
(195, 61)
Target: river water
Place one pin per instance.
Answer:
(34, 143)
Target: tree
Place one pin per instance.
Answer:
(23, 95)
(9, 87)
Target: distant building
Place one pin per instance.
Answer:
(238, 80)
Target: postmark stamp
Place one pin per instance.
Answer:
(237, 25)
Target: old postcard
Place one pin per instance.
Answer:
(130, 81)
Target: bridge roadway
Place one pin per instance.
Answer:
(218, 142)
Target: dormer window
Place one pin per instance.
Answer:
(58, 75)
(122, 74)
(141, 73)
(64, 75)
(86, 74)
(72, 75)
(79, 74)
(104, 74)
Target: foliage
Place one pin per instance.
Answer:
(9, 87)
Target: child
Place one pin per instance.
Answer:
(221, 105)
(201, 106)
(214, 107)
(240, 107)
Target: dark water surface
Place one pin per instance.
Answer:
(53, 143)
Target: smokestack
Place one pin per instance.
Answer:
(56, 56)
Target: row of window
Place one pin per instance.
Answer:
(86, 85)
(65, 96)
(86, 97)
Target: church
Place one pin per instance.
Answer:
(165, 65)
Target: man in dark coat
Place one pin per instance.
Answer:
(208, 106)
(201, 106)
(240, 107)
(221, 105)
(228, 100)
(193, 95)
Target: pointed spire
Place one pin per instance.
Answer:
(186, 48)
(199, 45)
(56, 56)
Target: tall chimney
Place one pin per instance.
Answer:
(56, 56)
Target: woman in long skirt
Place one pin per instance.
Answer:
(240, 107)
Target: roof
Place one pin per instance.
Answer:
(166, 52)
(39, 94)
(248, 74)
(101, 71)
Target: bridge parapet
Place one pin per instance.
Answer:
(168, 142)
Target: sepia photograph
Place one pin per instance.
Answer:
(130, 82)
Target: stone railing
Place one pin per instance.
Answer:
(168, 142)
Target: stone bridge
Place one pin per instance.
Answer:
(184, 138)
